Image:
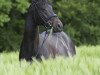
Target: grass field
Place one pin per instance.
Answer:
(86, 62)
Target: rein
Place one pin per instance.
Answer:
(45, 38)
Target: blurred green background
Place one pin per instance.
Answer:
(81, 19)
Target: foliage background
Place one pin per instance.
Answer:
(81, 19)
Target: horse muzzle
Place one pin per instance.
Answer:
(58, 28)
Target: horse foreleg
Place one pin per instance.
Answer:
(69, 43)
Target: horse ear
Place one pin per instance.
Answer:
(50, 2)
(35, 0)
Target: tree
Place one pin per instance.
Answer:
(81, 19)
(11, 23)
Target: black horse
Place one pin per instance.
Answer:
(40, 12)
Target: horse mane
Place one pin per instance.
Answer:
(36, 42)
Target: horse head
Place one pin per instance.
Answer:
(47, 15)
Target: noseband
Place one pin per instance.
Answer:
(47, 24)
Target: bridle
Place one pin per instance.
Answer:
(47, 24)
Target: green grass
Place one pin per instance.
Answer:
(86, 62)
